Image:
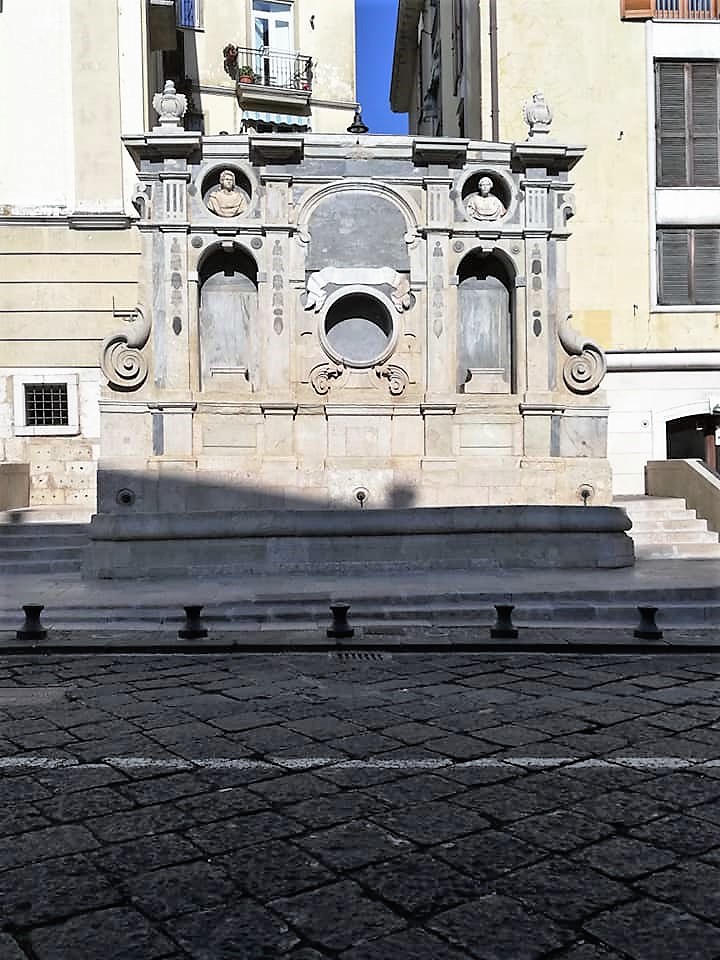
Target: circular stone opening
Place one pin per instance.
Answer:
(358, 328)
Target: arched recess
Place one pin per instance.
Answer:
(354, 220)
(228, 309)
(486, 309)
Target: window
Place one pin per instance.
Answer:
(272, 25)
(689, 266)
(687, 124)
(189, 14)
(45, 404)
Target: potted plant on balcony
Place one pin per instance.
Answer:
(246, 74)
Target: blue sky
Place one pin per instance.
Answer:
(375, 35)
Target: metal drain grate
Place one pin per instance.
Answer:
(359, 655)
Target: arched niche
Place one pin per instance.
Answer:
(227, 323)
(485, 323)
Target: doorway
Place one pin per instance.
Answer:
(693, 438)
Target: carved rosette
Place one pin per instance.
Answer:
(322, 376)
(396, 377)
(122, 363)
(586, 364)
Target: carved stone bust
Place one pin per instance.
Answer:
(227, 200)
(484, 205)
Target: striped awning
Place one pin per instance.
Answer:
(275, 121)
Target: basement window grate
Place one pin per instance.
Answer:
(360, 655)
(46, 405)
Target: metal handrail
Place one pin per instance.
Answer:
(269, 68)
(687, 9)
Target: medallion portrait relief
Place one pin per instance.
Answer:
(484, 205)
(227, 199)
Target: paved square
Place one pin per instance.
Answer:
(410, 806)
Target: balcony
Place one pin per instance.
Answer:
(670, 9)
(270, 80)
(686, 9)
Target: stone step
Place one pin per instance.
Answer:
(41, 566)
(32, 531)
(650, 504)
(11, 541)
(657, 514)
(678, 551)
(669, 616)
(63, 513)
(673, 536)
(57, 551)
(647, 525)
(661, 530)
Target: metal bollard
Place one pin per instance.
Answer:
(503, 628)
(647, 629)
(193, 628)
(340, 629)
(32, 630)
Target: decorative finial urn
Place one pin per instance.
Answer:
(170, 106)
(538, 115)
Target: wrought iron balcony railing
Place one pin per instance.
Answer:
(670, 9)
(268, 68)
(686, 9)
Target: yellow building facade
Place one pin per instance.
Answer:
(638, 83)
(70, 248)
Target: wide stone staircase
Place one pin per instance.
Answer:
(664, 528)
(43, 539)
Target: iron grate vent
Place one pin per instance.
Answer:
(360, 655)
(46, 405)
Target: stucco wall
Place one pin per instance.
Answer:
(592, 68)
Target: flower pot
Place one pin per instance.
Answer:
(246, 79)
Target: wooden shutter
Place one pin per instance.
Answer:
(674, 266)
(704, 124)
(706, 266)
(672, 146)
(637, 9)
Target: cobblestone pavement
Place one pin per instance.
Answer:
(369, 807)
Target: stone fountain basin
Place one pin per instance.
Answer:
(219, 543)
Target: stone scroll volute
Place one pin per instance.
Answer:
(586, 364)
(121, 359)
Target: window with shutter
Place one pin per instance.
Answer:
(689, 266)
(674, 266)
(704, 124)
(637, 9)
(688, 131)
(706, 266)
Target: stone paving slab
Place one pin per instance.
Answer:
(414, 806)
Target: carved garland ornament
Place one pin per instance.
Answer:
(122, 362)
(317, 283)
(586, 364)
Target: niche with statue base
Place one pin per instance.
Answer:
(352, 352)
